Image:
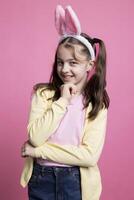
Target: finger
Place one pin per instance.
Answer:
(73, 90)
(24, 156)
(22, 150)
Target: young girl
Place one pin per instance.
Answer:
(67, 122)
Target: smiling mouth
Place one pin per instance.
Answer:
(66, 76)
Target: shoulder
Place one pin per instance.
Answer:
(102, 109)
(102, 112)
(101, 117)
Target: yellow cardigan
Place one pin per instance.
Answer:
(44, 119)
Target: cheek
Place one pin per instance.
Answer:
(80, 71)
(58, 70)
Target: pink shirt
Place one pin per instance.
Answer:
(70, 128)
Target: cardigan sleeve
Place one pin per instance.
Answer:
(85, 155)
(43, 121)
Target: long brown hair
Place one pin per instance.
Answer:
(95, 89)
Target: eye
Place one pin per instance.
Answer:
(59, 63)
(73, 63)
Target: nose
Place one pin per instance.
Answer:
(65, 67)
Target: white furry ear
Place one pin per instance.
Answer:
(68, 25)
(72, 22)
(60, 20)
(66, 21)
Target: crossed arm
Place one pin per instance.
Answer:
(39, 129)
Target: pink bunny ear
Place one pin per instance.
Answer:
(72, 22)
(60, 19)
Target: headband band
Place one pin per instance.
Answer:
(68, 25)
(82, 40)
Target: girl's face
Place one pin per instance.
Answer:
(71, 70)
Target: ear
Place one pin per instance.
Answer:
(72, 22)
(90, 65)
(60, 19)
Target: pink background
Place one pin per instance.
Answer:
(28, 41)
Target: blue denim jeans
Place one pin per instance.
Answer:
(54, 183)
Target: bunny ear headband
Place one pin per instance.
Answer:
(68, 25)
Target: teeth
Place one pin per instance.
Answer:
(67, 76)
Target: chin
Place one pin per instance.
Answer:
(68, 82)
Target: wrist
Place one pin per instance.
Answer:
(38, 152)
(65, 100)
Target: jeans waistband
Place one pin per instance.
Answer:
(55, 168)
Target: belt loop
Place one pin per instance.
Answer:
(42, 171)
(70, 169)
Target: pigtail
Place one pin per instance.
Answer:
(95, 91)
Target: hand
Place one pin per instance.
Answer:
(68, 90)
(27, 150)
